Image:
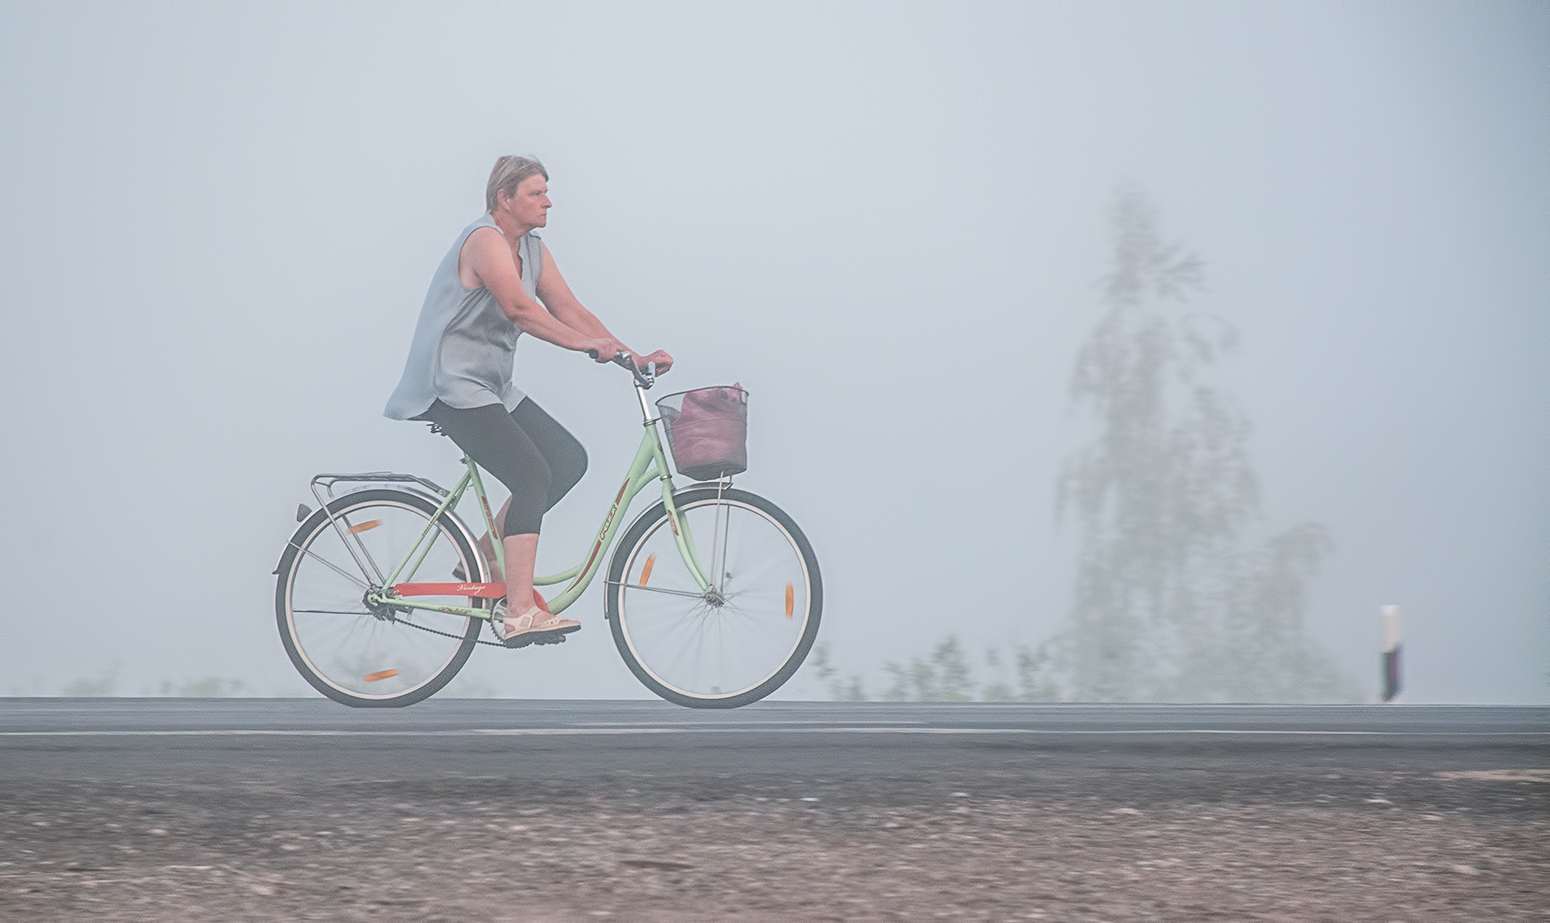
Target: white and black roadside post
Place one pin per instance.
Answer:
(1391, 655)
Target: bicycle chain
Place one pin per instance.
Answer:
(446, 634)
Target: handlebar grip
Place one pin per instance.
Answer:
(592, 353)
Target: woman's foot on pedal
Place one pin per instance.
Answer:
(533, 624)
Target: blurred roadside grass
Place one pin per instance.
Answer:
(204, 687)
(108, 685)
(1021, 674)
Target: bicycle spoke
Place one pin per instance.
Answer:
(657, 589)
(336, 569)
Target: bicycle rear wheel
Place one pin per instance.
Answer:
(736, 643)
(357, 653)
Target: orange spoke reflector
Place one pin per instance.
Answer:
(380, 675)
(365, 526)
(645, 572)
(791, 598)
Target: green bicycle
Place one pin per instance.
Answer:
(713, 594)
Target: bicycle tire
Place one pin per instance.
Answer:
(743, 648)
(354, 655)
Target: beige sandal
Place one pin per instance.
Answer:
(534, 623)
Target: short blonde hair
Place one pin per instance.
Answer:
(509, 172)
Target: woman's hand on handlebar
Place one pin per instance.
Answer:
(660, 357)
(645, 367)
(603, 349)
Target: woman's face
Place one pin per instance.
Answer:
(530, 205)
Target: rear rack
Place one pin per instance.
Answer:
(327, 482)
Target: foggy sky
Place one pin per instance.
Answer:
(885, 220)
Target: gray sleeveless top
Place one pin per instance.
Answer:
(464, 346)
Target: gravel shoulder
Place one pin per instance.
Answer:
(1170, 836)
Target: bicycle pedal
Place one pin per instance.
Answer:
(535, 638)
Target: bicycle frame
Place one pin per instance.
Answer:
(650, 464)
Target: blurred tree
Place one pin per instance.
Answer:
(104, 685)
(840, 689)
(997, 690)
(1033, 671)
(943, 677)
(208, 687)
(1036, 681)
(1167, 605)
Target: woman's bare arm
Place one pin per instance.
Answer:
(568, 309)
(486, 253)
(556, 295)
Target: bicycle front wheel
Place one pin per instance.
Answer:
(736, 642)
(358, 653)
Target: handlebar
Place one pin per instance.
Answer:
(626, 361)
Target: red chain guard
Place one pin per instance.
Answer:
(482, 590)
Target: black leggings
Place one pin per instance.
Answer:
(537, 460)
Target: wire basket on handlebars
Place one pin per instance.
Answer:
(707, 431)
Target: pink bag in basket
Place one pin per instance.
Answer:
(707, 431)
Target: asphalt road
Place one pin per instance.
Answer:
(246, 808)
(131, 739)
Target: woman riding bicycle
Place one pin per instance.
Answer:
(497, 282)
